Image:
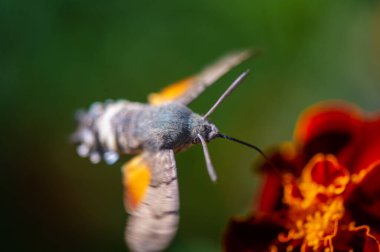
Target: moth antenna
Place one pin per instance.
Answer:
(227, 92)
(210, 167)
(251, 146)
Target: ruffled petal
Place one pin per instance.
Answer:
(327, 173)
(327, 128)
(363, 202)
(271, 194)
(368, 150)
(283, 160)
(355, 238)
(324, 192)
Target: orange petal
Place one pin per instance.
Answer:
(292, 192)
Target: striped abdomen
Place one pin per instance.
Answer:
(107, 129)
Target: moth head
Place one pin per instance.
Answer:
(206, 130)
(203, 131)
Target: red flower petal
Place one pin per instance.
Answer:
(327, 171)
(369, 148)
(325, 192)
(327, 127)
(355, 239)
(255, 234)
(285, 161)
(363, 202)
(271, 193)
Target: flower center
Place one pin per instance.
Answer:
(315, 207)
(320, 225)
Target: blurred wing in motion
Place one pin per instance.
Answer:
(185, 91)
(151, 199)
(136, 179)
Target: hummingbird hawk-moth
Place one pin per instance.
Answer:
(154, 132)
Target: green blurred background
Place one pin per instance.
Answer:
(58, 56)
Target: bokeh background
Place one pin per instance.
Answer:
(60, 55)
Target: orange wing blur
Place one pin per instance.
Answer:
(185, 91)
(151, 192)
(136, 179)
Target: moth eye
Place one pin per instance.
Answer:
(203, 128)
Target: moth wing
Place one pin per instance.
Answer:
(136, 179)
(186, 90)
(154, 215)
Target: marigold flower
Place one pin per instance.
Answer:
(325, 193)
